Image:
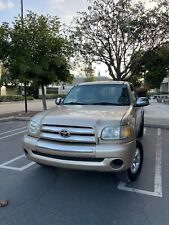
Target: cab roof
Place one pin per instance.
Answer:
(103, 82)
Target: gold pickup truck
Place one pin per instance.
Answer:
(96, 127)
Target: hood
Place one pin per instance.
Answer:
(85, 115)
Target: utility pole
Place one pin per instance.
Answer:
(25, 89)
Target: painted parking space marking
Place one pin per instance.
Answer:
(6, 164)
(145, 130)
(20, 132)
(158, 178)
(11, 131)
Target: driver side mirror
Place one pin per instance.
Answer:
(58, 101)
(141, 102)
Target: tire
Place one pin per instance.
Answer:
(141, 130)
(134, 171)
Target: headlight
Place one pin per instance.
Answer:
(33, 127)
(116, 133)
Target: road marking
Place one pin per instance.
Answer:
(12, 160)
(18, 168)
(158, 177)
(27, 166)
(122, 186)
(145, 130)
(157, 180)
(4, 165)
(24, 131)
(10, 131)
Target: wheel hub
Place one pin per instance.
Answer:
(136, 162)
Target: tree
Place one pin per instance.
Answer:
(112, 32)
(4, 42)
(89, 73)
(38, 51)
(152, 66)
(4, 49)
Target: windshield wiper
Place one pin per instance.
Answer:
(105, 103)
(74, 103)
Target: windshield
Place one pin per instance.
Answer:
(98, 94)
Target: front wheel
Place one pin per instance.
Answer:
(133, 172)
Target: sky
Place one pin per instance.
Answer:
(64, 9)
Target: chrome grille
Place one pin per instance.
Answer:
(68, 134)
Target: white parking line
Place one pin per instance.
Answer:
(10, 131)
(6, 164)
(27, 166)
(122, 186)
(158, 179)
(18, 168)
(12, 160)
(24, 131)
(145, 130)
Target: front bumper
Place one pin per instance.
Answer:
(82, 157)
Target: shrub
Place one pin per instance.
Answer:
(14, 98)
(53, 96)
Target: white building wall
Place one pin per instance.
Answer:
(165, 85)
(2, 89)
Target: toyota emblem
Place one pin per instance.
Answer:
(64, 133)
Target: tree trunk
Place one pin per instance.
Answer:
(44, 97)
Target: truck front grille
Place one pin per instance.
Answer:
(68, 134)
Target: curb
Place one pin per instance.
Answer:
(6, 119)
(13, 118)
(22, 118)
(162, 126)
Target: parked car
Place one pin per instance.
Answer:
(96, 127)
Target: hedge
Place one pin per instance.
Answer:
(14, 98)
(53, 96)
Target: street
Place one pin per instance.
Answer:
(39, 195)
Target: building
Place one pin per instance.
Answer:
(165, 85)
(2, 89)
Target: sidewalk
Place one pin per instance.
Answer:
(156, 114)
(13, 107)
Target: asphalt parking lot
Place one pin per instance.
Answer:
(53, 196)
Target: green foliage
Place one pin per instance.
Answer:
(89, 79)
(152, 66)
(4, 41)
(54, 96)
(135, 81)
(34, 89)
(89, 73)
(14, 98)
(38, 52)
(4, 49)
